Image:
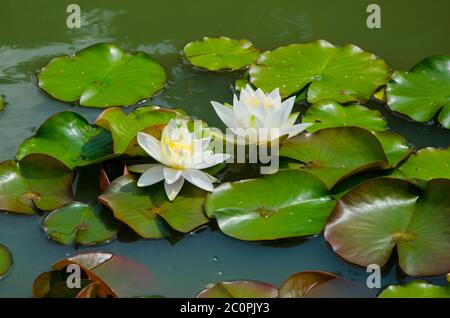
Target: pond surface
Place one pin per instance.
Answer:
(31, 32)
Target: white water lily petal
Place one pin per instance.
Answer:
(173, 189)
(225, 114)
(287, 106)
(290, 120)
(294, 130)
(212, 160)
(151, 145)
(171, 175)
(151, 176)
(198, 178)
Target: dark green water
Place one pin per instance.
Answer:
(31, 32)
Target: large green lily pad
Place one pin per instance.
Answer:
(342, 74)
(35, 183)
(221, 53)
(80, 223)
(374, 217)
(423, 91)
(289, 203)
(102, 75)
(416, 289)
(145, 209)
(327, 114)
(68, 137)
(6, 260)
(124, 128)
(333, 154)
(428, 163)
(239, 289)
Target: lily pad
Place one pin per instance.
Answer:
(395, 147)
(80, 223)
(428, 163)
(124, 128)
(342, 74)
(328, 114)
(68, 137)
(423, 91)
(2, 104)
(316, 284)
(6, 260)
(35, 183)
(333, 154)
(239, 289)
(374, 217)
(103, 275)
(416, 289)
(102, 75)
(286, 204)
(221, 53)
(300, 284)
(145, 209)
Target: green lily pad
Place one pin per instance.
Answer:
(102, 75)
(342, 74)
(6, 260)
(333, 154)
(80, 223)
(328, 114)
(68, 137)
(35, 183)
(289, 203)
(145, 209)
(374, 217)
(428, 163)
(221, 53)
(124, 128)
(423, 91)
(2, 104)
(239, 289)
(395, 146)
(416, 289)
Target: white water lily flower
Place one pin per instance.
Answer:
(181, 155)
(260, 112)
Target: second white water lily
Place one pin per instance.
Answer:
(260, 117)
(182, 156)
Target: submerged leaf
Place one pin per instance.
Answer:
(37, 182)
(343, 74)
(221, 53)
(102, 75)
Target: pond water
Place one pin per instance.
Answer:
(31, 32)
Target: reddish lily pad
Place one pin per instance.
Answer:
(378, 215)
